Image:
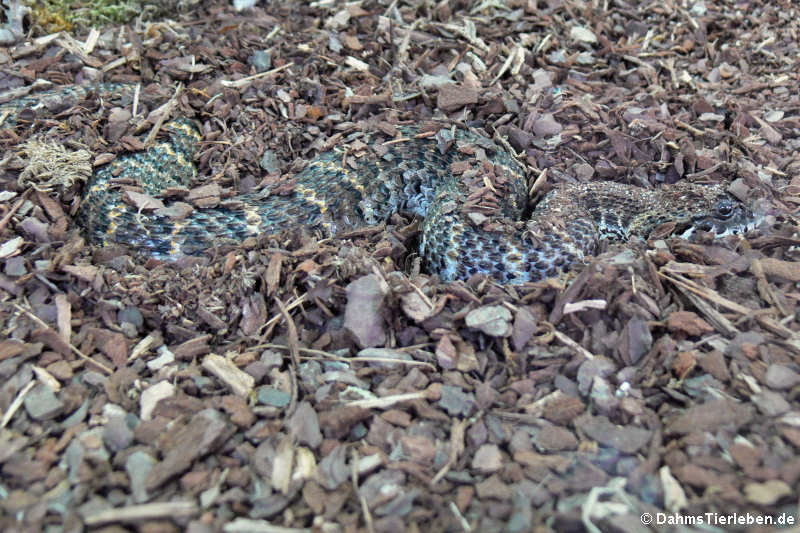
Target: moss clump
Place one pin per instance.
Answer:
(48, 16)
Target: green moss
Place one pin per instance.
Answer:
(78, 16)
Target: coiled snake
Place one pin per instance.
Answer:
(471, 193)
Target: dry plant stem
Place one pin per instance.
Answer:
(73, 348)
(16, 404)
(14, 209)
(294, 351)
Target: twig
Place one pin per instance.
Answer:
(572, 344)
(387, 401)
(73, 348)
(14, 209)
(15, 405)
(244, 81)
(294, 352)
(166, 109)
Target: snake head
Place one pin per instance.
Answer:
(725, 215)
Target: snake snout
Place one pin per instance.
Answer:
(727, 219)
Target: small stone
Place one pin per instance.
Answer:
(272, 396)
(592, 368)
(457, 402)
(699, 9)
(584, 171)
(401, 505)
(131, 315)
(138, 467)
(334, 44)
(711, 117)
(339, 20)
(269, 161)
(117, 434)
(557, 57)
(477, 434)
(494, 320)
(15, 266)
(261, 60)
(534, 493)
(603, 395)
(271, 358)
(333, 471)
(781, 377)
(429, 81)
(583, 34)
(382, 485)
(488, 459)
(744, 343)
(41, 403)
(774, 115)
(771, 403)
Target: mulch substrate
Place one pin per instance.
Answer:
(293, 383)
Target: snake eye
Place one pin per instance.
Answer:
(724, 208)
(706, 226)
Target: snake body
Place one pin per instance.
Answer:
(471, 193)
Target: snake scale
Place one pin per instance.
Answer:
(471, 194)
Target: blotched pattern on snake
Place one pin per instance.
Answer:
(471, 193)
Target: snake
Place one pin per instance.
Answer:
(470, 192)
